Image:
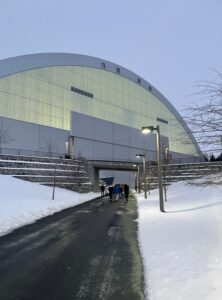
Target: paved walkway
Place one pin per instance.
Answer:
(86, 252)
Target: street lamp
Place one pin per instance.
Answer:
(165, 161)
(144, 172)
(138, 178)
(146, 130)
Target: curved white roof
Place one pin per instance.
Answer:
(22, 63)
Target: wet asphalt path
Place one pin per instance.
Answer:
(85, 252)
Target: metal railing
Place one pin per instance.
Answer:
(25, 152)
(150, 154)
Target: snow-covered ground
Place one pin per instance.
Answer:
(182, 248)
(23, 202)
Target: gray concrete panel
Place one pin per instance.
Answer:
(121, 153)
(151, 156)
(21, 135)
(136, 138)
(33, 137)
(52, 138)
(149, 141)
(121, 135)
(83, 148)
(103, 130)
(82, 126)
(102, 151)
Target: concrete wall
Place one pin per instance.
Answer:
(98, 139)
(102, 140)
(27, 137)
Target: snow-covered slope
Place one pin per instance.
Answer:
(182, 248)
(23, 202)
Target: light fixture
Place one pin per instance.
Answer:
(144, 172)
(139, 155)
(146, 130)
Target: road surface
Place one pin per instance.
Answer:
(85, 252)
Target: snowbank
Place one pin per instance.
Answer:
(23, 202)
(182, 248)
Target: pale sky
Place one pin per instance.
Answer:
(170, 43)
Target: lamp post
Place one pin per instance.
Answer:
(138, 178)
(165, 161)
(144, 172)
(146, 130)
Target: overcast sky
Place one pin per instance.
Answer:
(170, 43)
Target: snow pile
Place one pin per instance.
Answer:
(23, 202)
(182, 248)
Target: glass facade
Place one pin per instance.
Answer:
(44, 96)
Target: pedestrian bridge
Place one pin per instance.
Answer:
(94, 166)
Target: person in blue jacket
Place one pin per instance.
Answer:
(116, 192)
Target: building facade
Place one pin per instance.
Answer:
(46, 98)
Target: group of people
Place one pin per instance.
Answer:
(116, 191)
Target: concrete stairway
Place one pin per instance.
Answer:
(66, 173)
(178, 172)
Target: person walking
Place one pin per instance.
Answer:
(120, 191)
(126, 191)
(116, 191)
(102, 188)
(110, 190)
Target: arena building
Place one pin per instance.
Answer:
(99, 107)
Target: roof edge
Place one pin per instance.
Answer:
(27, 62)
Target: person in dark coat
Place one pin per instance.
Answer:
(126, 191)
(110, 190)
(102, 188)
(120, 191)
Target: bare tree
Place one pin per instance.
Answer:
(205, 117)
(4, 135)
(205, 120)
(165, 158)
(50, 146)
